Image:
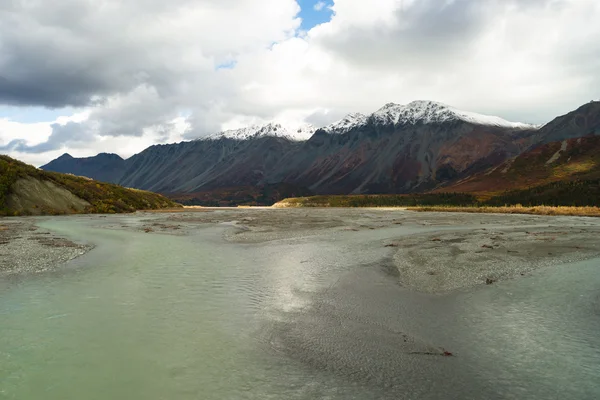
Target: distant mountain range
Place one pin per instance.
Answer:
(419, 147)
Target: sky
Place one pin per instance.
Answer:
(89, 76)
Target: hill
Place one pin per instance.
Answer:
(558, 163)
(26, 190)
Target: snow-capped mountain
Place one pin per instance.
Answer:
(419, 112)
(431, 112)
(303, 132)
(347, 123)
(416, 112)
(397, 149)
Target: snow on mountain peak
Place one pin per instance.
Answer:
(347, 123)
(298, 133)
(430, 112)
(416, 112)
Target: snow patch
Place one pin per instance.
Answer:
(416, 112)
(347, 123)
(298, 133)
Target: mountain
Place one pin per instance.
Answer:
(201, 165)
(103, 167)
(401, 149)
(562, 149)
(417, 147)
(26, 190)
(300, 133)
(581, 122)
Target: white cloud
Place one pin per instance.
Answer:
(137, 66)
(319, 6)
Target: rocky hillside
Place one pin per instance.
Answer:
(398, 149)
(573, 157)
(565, 161)
(585, 121)
(26, 190)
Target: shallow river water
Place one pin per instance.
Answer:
(151, 316)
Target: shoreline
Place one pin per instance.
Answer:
(25, 248)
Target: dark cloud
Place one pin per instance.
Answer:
(78, 52)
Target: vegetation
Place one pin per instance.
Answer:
(578, 193)
(517, 209)
(580, 197)
(384, 200)
(103, 197)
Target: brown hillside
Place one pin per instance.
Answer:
(573, 159)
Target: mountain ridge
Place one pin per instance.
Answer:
(397, 149)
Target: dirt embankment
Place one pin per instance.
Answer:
(38, 197)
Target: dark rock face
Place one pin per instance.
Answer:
(388, 158)
(202, 165)
(582, 122)
(378, 154)
(104, 167)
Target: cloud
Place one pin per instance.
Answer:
(319, 6)
(148, 71)
(78, 53)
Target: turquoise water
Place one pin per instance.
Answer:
(149, 316)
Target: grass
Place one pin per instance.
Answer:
(380, 200)
(516, 209)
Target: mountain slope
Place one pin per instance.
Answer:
(575, 156)
(202, 165)
(581, 122)
(568, 160)
(26, 190)
(402, 149)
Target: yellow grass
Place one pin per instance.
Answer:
(518, 209)
(569, 169)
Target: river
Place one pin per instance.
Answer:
(156, 316)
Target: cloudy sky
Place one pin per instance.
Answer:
(85, 76)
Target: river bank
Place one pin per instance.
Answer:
(27, 249)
